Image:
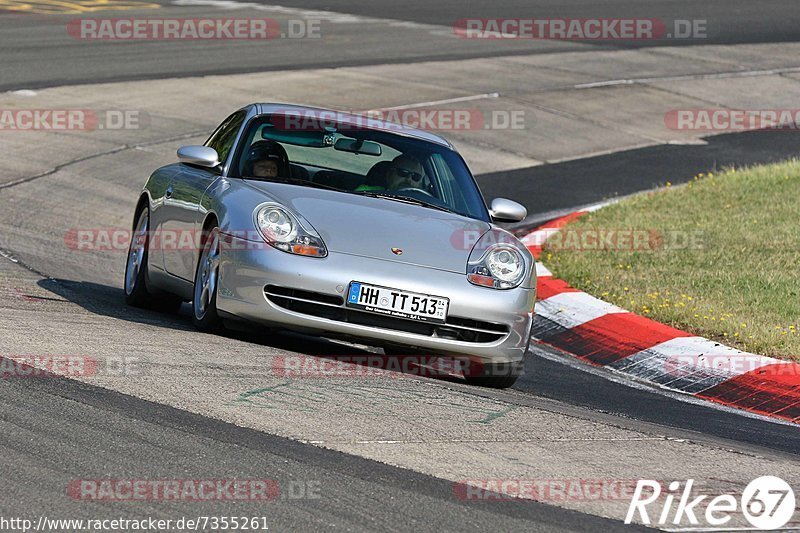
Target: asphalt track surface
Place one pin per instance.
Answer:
(56, 430)
(735, 21)
(38, 52)
(66, 429)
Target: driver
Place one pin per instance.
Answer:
(406, 172)
(265, 159)
(403, 172)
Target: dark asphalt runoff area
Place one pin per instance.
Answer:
(555, 188)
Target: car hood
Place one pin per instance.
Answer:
(372, 227)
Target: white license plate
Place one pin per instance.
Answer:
(397, 303)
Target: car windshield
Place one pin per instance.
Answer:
(358, 160)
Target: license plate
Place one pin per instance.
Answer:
(397, 303)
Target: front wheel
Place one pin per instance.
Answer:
(206, 282)
(493, 375)
(136, 291)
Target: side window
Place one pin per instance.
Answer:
(222, 140)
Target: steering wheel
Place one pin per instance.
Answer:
(414, 189)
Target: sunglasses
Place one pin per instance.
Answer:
(405, 173)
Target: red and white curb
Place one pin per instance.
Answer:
(603, 334)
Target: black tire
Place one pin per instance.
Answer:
(137, 293)
(493, 375)
(204, 303)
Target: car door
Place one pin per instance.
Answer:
(182, 202)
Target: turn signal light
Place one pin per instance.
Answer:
(477, 279)
(304, 249)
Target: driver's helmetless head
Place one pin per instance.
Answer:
(405, 172)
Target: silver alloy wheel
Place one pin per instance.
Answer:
(136, 253)
(205, 285)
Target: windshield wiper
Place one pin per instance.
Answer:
(407, 200)
(295, 181)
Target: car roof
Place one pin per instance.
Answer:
(362, 121)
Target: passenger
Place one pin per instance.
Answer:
(266, 159)
(265, 168)
(376, 177)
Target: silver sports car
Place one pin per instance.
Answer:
(341, 226)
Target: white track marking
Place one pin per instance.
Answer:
(692, 364)
(538, 237)
(445, 101)
(542, 271)
(571, 309)
(689, 77)
(612, 374)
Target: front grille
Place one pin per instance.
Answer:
(332, 308)
(299, 294)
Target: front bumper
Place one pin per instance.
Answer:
(247, 268)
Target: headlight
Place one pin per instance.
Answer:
(505, 264)
(285, 231)
(501, 267)
(276, 225)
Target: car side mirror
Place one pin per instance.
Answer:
(504, 210)
(198, 155)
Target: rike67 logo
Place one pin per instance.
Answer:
(767, 503)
